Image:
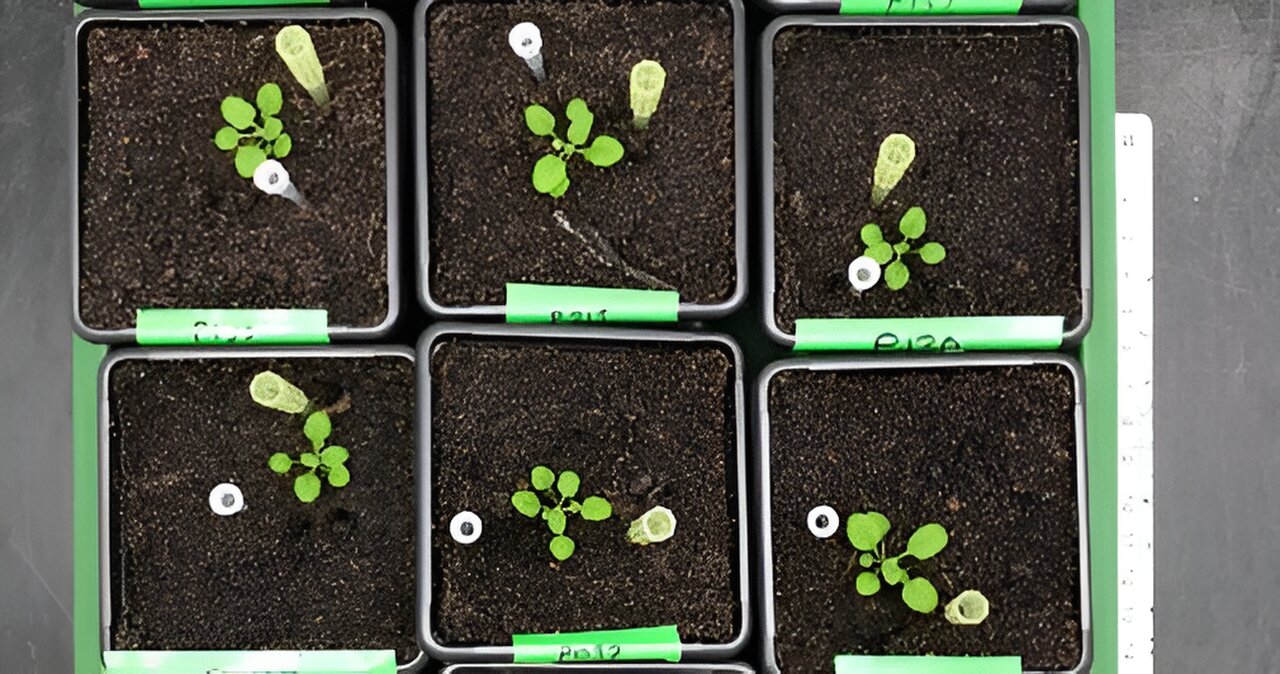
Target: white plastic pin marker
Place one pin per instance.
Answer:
(466, 527)
(823, 521)
(272, 178)
(226, 499)
(864, 273)
(526, 41)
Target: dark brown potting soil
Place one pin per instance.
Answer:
(993, 112)
(165, 219)
(661, 218)
(988, 453)
(642, 425)
(337, 573)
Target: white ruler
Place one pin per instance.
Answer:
(1135, 479)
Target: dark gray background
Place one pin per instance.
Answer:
(1204, 71)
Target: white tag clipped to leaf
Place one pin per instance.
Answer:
(526, 41)
(272, 178)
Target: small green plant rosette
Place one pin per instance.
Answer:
(551, 172)
(251, 141)
(893, 255)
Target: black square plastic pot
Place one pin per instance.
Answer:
(431, 531)
(109, 567)
(422, 139)
(884, 366)
(1072, 333)
(391, 110)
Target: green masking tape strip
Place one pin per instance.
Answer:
(972, 333)
(927, 664)
(247, 327)
(530, 303)
(917, 7)
(191, 4)
(249, 662)
(644, 643)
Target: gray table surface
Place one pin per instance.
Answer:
(1206, 74)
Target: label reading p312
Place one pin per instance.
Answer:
(589, 653)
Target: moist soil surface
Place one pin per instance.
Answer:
(662, 218)
(642, 425)
(993, 112)
(165, 219)
(988, 453)
(337, 573)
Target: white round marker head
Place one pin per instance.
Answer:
(226, 499)
(864, 273)
(823, 521)
(271, 177)
(525, 40)
(466, 527)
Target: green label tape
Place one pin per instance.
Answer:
(917, 7)
(248, 327)
(644, 643)
(249, 662)
(192, 4)
(927, 664)
(530, 303)
(946, 335)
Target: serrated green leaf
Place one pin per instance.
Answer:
(896, 275)
(542, 478)
(912, 223)
(309, 459)
(282, 147)
(605, 151)
(548, 173)
(238, 112)
(871, 234)
(334, 456)
(567, 484)
(270, 99)
(927, 541)
(920, 595)
(272, 127)
(881, 252)
(556, 520)
(317, 429)
(339, 476)
(562, 547)
(280, 462)
(227, 138)
(307, 487)
(248, 159)
(580, 121)
(540, 120)
(596, 509)
(867, 583)
(527, 503)
(892, 571)
(865, 530)
(932, 253)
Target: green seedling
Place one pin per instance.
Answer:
(550, 174)
(892, 256)
(895, 157)
(552, 498)
(322, 460)
(255, 134)
(867, 531)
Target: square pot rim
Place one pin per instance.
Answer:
(688, 311)
(599, 668)
(135, 353)
(392, 127)
(503, 654)
(765, 109)
(762, 492)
